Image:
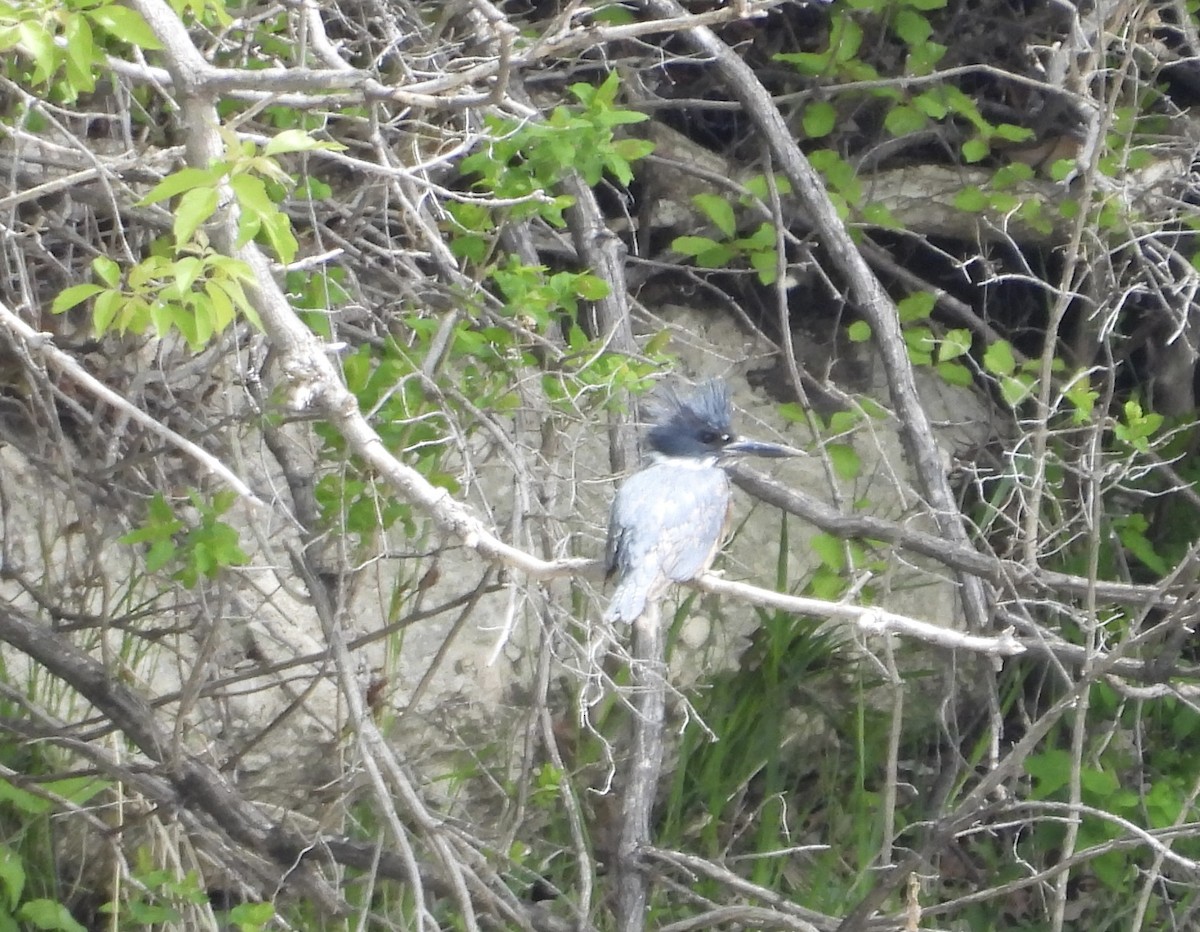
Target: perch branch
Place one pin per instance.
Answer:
(916, 431)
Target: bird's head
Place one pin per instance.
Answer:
(700, 426)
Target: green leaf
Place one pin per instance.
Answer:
(658, 343)
(1137, 544)
(606, 93)
(194, 208)
(766, 263)
(633, 149)
(1114, 869)
(902, 120)
(220, 305)
(107, 270)
(718, 210)
(841, 422)
(859, 331)
(1082, 397)
(39, 43)
(829, 550)
(838, 172)
(624, 117)
(164, 316)
(932, 104)
(313, 189)
(923, 58)
(819, 119)
(293, 140)
(49, 915)
(252, 915)
(846, 462)
(1110, 215)
(278, 229)
(251, 194)
(249, 223)
(880, 216)
(975, 150)
(954, 373)
(954, 344)
(126, 25)
(222, 501)
(1051, 770)
(1099, 784)
(203, 317)
(237, 295)
(474, 248)
(1015, 389)
(1012, 174)
(911, 26)
(81, 54)
(998, 359)
(1013, 133)
(77, 789)
(921, 344)
(22, 800)
(613, 14)
(76, 294)
(160, 523)
(764, 237)
(971, 199)
(260, 213)
(847, 38)
(707, 252)
(104, 311)
(792, 411)
(591, 287)
(1004, 202)
(1141, 158)
(159, 555)
(187, 270)
(185, 179)
(917, 306)
(12, 875)
(806, 63)
(1062, 169)
(1163, 804)
(1138, 427)
(149, 914)
(146, 272)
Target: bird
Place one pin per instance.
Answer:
(668, 520)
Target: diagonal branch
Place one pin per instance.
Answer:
(916, 431)
(313, 379)
(186, 782)
(196, 782)
(38, 344)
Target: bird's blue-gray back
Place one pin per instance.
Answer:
(666, 526)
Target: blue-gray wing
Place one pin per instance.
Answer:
(665, 526)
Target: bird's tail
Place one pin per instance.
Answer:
(629, 598)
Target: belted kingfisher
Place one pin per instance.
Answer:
(668, 519)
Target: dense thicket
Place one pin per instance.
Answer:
(323, 326)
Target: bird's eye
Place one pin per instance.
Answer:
(708, 437)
